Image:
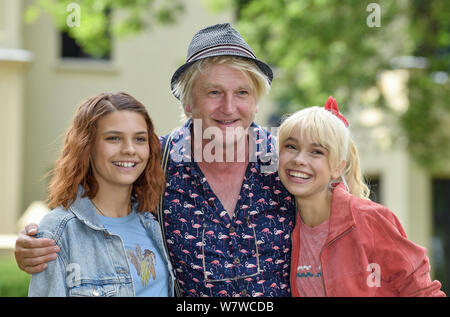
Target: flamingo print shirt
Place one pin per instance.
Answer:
(213, 254)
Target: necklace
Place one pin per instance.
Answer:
(100, 211)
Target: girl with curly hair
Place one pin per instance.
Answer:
(104, 188)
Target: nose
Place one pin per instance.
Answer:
(128, 147)
(300, 158)
(228, 106)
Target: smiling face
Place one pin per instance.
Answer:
(304, 167)
(224, 98)
(121, 150)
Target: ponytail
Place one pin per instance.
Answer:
(353, 174)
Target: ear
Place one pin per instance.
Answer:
(339, 169)
(188, 108)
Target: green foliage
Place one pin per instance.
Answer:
(427, 121)
(320, 47)
(13, 282)
(317, 47)
(101, 18)
(325, 47)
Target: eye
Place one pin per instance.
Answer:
(113, 138)
(141, 139)
(243, 93)
(317, 152)
(213, 93)
(289, 146)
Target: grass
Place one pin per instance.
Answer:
(13, 282)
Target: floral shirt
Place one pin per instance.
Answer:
(213, 254)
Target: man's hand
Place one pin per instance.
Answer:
(33, 254)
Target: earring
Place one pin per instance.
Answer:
(333, 183)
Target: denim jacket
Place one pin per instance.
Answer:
(85, 243)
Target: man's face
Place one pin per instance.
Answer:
(224, 98)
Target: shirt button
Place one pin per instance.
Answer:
(244, 292)
(236, 261)
(211, 203)
(232, 230)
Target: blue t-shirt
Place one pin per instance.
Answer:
(148, 269)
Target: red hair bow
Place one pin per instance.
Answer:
(332, 106)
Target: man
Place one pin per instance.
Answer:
(226, 217)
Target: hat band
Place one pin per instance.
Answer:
(234, 48)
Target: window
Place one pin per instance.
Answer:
(373, 181)
(71, 49)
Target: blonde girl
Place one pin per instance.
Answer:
(343, 243)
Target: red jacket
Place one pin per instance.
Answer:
(367, 253)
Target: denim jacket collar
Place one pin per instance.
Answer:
(84, 210)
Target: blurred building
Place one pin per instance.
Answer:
(43, 80)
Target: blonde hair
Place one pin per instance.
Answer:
(323, 127)
(183, 87)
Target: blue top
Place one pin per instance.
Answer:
(92, 261)
(148, 269)
(213, 254)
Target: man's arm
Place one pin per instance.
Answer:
(32, 254)
(52, 281)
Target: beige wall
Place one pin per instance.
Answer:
(13, 66)
(11, 131)
(10, 24)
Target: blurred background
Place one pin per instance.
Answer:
(386, 62)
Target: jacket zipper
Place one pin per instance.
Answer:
(320, 254)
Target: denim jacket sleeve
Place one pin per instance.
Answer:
(52, 281)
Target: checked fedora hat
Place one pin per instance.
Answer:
(218, 40)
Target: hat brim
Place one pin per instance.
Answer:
(261, 65)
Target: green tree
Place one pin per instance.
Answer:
(318, 48)
(326, 47)
(100, 18)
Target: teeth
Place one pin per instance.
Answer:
(298, 174)
(125, 164)
(227, 121)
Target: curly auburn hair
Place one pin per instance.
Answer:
(73, 168)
